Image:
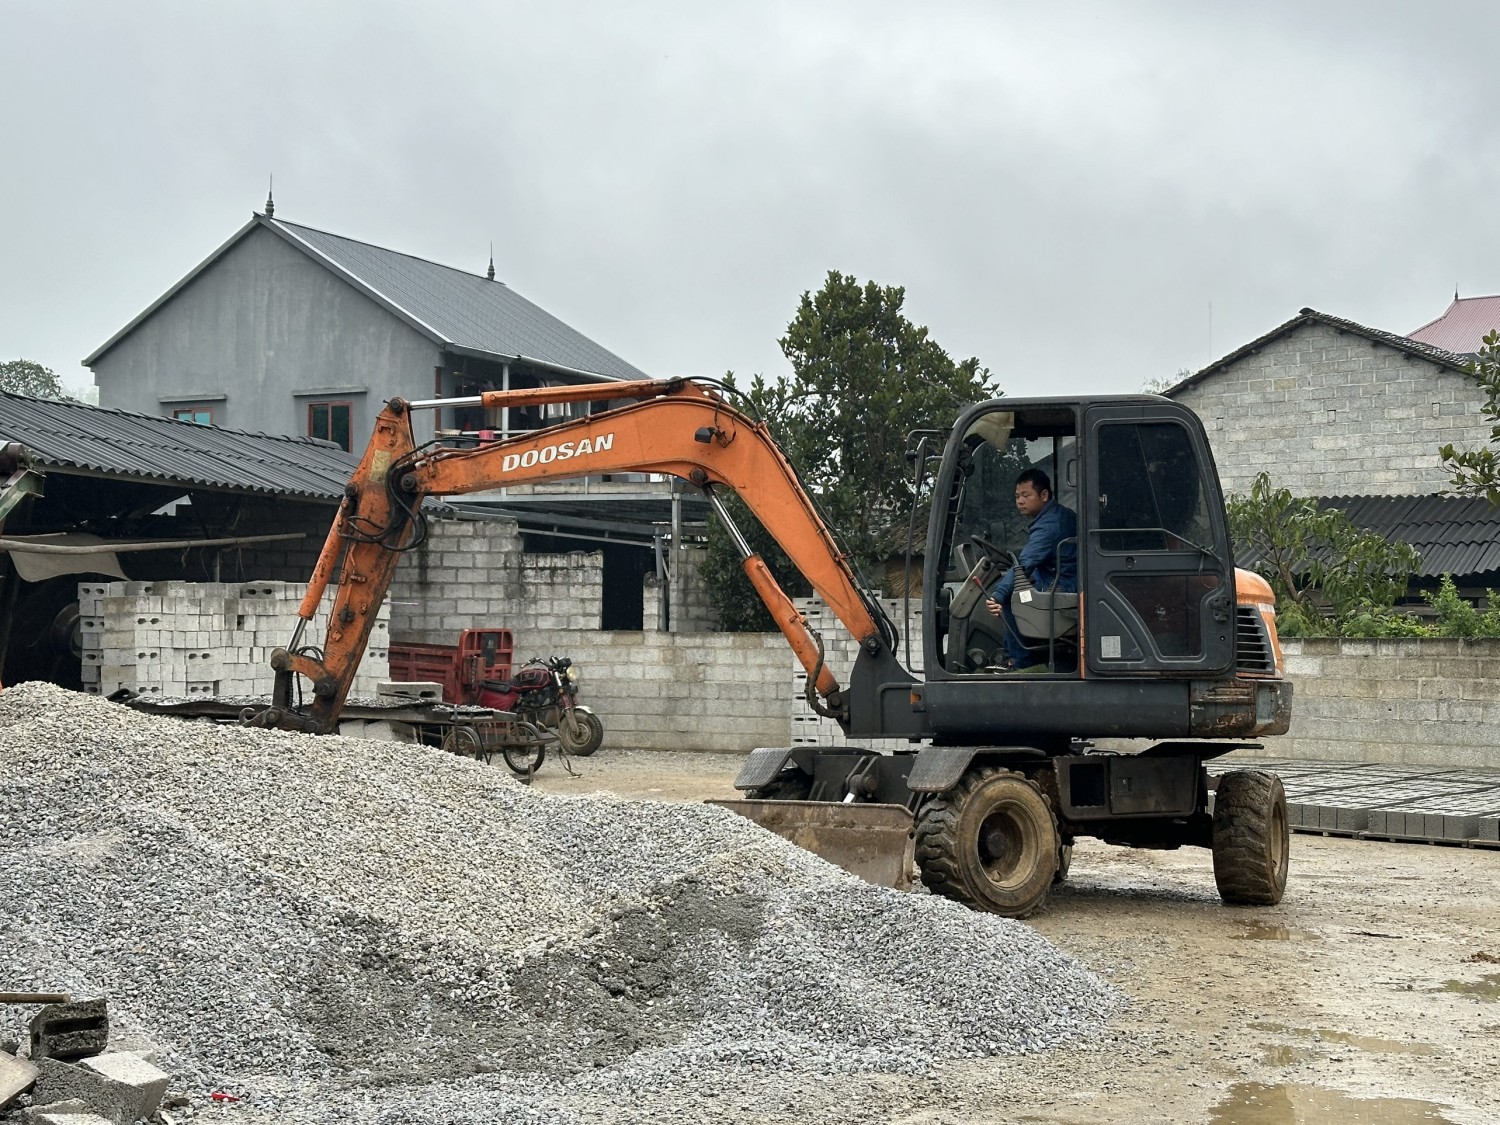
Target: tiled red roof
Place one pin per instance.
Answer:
(1463, 327)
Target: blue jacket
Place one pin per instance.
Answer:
(1041, 557)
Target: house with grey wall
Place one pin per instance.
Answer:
(1333, 408)
(1355, 416)
(286, 329)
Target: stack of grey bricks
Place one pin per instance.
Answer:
(203, 639)
(839, 652)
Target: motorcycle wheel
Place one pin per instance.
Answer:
(525, 756)
(580, 733)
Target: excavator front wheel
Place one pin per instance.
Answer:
(990, 842)
(1250, 838)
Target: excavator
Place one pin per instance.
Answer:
(1163, 640)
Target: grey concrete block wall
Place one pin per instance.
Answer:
(1331, 413)
(474, 574)
(692, 609)
(674, 691)
(1414, 701)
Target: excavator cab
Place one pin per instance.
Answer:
(1152, 552)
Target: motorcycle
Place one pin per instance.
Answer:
(544, 693)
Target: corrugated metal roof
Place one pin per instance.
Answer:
(1463, 327)
(459, 309)
(1455, 535)
(1313, 316)
(118, 443)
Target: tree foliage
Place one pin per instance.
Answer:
(863, 377)
(1476, 472)
(23, 377)
(1329, 576)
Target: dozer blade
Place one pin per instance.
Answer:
(871, 841)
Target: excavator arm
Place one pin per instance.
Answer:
(677, 427)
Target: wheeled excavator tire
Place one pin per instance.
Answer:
(580, 733)
(1064, 862)
(990, 842)
(1250, 838)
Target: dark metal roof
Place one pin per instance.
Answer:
(463, 312)
(1463, 326)
(1455, 534)
(1312, 316)
(71, 436)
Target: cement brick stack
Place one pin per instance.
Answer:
(840, 650)
(202, 639)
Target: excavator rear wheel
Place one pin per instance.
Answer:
(990, 842)
(1250, 838)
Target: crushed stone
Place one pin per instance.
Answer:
(339, 930)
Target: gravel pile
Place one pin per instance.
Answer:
(345, 930)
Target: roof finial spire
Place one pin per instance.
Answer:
(1455, 290)
(270, 203)
(490, 273)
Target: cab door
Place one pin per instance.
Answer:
(1158, 575)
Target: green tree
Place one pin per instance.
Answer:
(1476, 472)
(1329, 576)
(23, 377)
(863, 377)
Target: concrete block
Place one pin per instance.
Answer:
(67, 1117)
(131, 1092)
(70, 1031)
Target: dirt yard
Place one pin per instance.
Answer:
(1369, 995)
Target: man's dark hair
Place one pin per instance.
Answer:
(1038, 480)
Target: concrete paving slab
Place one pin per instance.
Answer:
(16, 1077)
(1442, 805)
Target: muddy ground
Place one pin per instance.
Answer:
(1371, 994)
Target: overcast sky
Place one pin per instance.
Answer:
(1085, 196)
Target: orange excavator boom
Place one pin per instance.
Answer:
(677, 427)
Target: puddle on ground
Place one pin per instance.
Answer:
(1280, 1054)
(1270, 931)
(1486, 987)
(1253, 1103)
(1344, 1038)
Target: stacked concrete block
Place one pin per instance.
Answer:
(203, 639)
(1332, 413)
(840, 650)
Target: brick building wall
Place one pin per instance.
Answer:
(470, 574)
(1332, 413)
(692, 610)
